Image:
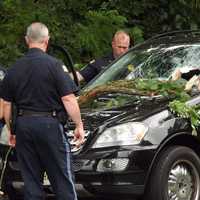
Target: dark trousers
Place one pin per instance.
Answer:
(42, 146)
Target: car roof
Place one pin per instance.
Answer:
(171, 38)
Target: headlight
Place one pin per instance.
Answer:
(124, 134)
(112, 165)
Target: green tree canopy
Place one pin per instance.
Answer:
(86, 27)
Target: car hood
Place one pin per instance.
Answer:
(127, 100)
(135, 111)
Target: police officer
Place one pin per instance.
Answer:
(40, 89)
(120, 45)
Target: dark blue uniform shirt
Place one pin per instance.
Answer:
(94, 67)
(2, 74)
(37, 82)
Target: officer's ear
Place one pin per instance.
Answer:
(46, 40)
(27, 40)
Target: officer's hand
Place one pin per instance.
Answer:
(79, 136)
(176, 74)
(12, 140)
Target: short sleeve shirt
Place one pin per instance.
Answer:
(95, 66)
(187, 76)
(37, 82)
(2, 74)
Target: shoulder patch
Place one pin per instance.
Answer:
(65, 68)
(2, 74)
(92, 61)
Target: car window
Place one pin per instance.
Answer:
(163, 62)
(119, 69)
(154, 62)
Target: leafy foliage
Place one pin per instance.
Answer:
(85, 30)
(97, 31)
(128, 90)
(185, 111)
(86, 27)
(148, 87)
(174, 88)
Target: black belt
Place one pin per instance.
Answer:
(22, 112)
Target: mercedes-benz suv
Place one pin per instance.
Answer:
(134, 144)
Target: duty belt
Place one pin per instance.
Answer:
(22, 112)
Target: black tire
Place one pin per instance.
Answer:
(175, 175)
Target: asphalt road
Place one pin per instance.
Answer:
(83, 195)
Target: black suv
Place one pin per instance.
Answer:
(134, 144)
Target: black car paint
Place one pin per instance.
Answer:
(142, 156)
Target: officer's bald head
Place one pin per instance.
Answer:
(37, 32)
(123, 35)
(37, 36)
(120, 43)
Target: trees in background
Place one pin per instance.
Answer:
(86, 27)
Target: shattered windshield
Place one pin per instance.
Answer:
(124, 92)
(152, 62)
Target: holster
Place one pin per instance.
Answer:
(62, 117)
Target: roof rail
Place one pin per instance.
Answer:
(186, 33)
(175, 33)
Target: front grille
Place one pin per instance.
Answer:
(77, 165)
(69, 130)
(70, 136)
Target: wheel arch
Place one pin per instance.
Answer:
(179, 139)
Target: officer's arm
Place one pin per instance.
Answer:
(88, 72)
(72, 108)
(79, 76)
(7, 113)
(7, 108)
(1, 108)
